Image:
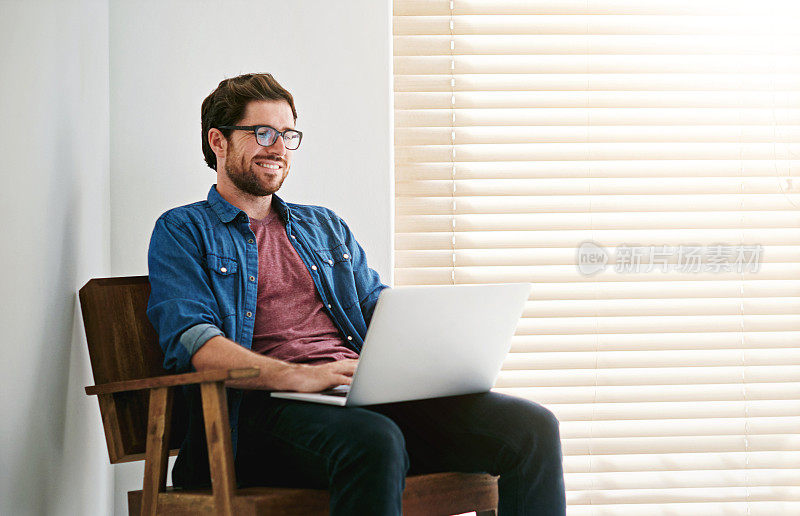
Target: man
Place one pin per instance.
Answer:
(245, 279)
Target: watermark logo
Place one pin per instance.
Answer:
(592, 258)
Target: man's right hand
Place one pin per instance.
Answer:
(276, 375)
(315, 378)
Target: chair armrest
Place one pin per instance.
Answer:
(213, 375)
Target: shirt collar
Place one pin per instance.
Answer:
(227, 211)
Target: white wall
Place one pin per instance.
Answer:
(55, 210)
(335, 58)
(93, 152)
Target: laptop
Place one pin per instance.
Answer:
(429, 342)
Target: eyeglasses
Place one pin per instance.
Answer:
(267, 136)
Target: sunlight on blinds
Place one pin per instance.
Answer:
(637, 162)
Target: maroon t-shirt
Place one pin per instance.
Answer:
(291, 322)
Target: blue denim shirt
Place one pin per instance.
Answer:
(203, 267)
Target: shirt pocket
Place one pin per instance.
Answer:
(338, 267)
(223, 274)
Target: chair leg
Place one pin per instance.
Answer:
(157, 448)
(220, 449)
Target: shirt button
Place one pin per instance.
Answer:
(346, 256)
(223, 269)
(249, 240)
(313, 267)
(329, 306)
(249, 314)
(349, 337)
(252, 278)
(330, 262)
(294, 237)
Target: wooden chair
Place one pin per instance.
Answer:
(137, 398)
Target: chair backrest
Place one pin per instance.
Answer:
(123, 346)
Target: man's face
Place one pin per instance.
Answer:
(253, 169)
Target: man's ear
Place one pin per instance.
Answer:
(218, 143)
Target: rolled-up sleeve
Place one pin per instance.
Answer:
(182, 306)
(193, 338)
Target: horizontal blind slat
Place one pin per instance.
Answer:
(426, 136)
(681, 444)
(702, 478)
(676, 427)
(601, 116)
(644, 376)
(582, 24)
(595, 44)
(669, 169)
(601, 237)
(405, 259)
(741, 507)
(675, 340)
(592, 186)
(600, 221)
(681, 462)
(582, 82)
(589, 150)
(604, 63)
(621, 394)
(593, 7)
(652, 359)
(597, 203)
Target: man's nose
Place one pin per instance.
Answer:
(278, 147)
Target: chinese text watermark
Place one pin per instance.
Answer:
(633, 258)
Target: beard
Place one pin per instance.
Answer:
(248, 181)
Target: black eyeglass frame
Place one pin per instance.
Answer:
(254, 129)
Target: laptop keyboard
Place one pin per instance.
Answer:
(340, 391)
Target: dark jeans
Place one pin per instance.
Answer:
(362, 455)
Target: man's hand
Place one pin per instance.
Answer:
(315, 378)
(276, 375)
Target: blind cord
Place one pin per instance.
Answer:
(742, 344)
(595, 289)
(453, 143)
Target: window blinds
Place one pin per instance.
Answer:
(532, 137)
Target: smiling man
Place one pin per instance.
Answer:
(245, 279)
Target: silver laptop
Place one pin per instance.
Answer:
(428, 342)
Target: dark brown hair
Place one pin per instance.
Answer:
(226, 104)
